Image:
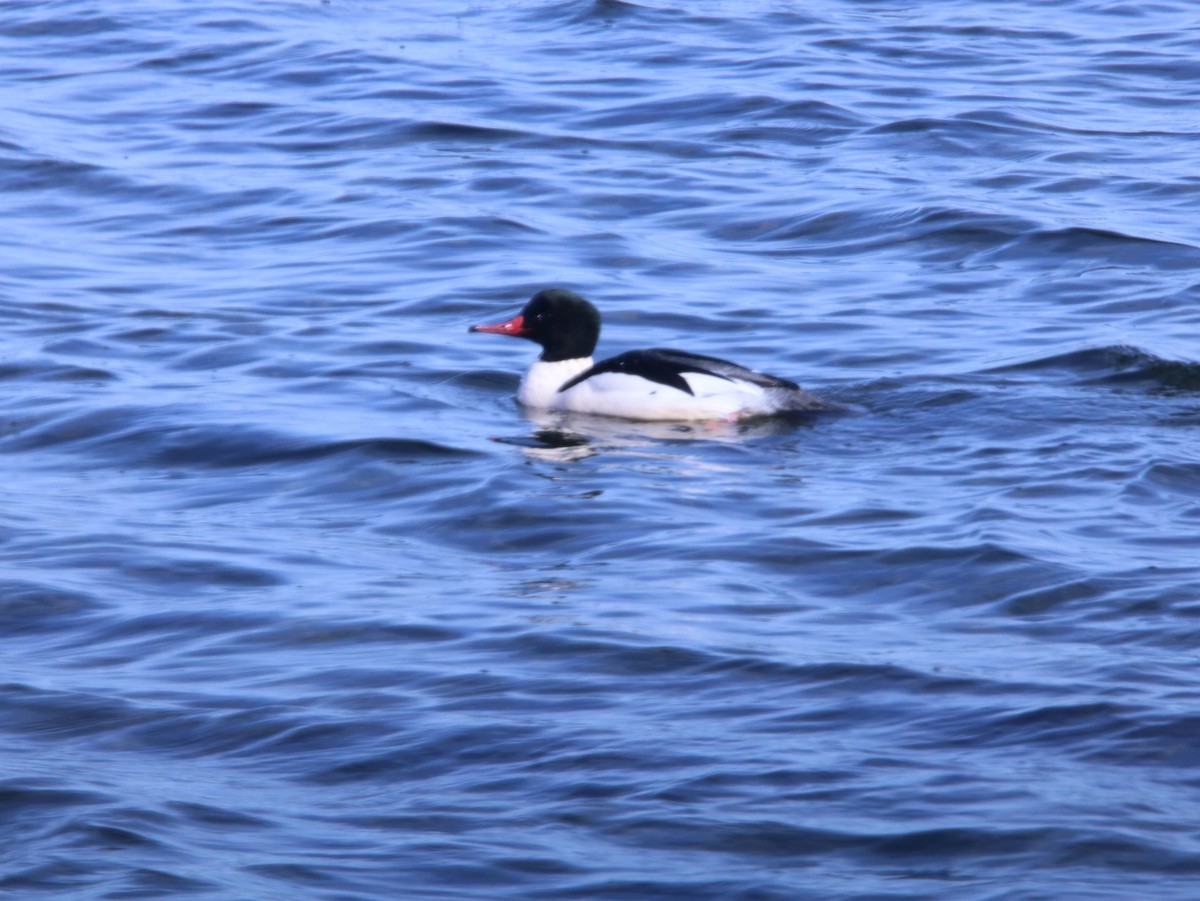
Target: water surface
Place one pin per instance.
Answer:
(295, 602)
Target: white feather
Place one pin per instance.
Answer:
(634, 397)
(540, 384)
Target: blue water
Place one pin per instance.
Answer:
(296, 603)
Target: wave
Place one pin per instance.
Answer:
(137, 436)
(43, 371)
(30, 607)
(1118, 364)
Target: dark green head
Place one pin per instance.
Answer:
(563, 323)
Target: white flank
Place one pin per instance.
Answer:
(634, 397)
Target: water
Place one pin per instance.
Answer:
(296, 603)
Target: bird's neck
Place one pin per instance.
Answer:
(541, 381)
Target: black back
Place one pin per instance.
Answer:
(666, 367)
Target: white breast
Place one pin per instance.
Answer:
(540, 384)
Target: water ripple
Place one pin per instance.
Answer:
(297, 600)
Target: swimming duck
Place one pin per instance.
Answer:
(650, 385)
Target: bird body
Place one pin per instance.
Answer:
(658, 384)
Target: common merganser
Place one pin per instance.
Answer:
(650, 385)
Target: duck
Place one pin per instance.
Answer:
(653, 385)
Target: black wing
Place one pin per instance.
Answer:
(666, 367)
(689, 362)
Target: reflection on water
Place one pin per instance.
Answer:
(564, 437)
